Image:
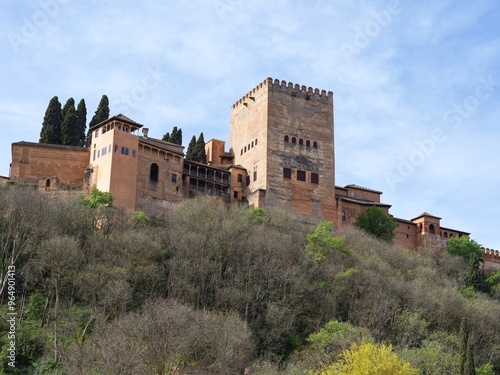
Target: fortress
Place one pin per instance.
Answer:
(281, 154)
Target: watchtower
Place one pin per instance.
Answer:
(282, 133)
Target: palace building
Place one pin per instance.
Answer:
(281, 154)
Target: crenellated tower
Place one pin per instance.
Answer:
(282, 134)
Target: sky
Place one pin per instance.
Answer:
(416, 84)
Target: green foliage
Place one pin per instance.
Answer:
(410, 329)
(51, 127)
(190, 149)
(140, 218)
(69, 130)
(198, 150)
(320, 243)
(175, 137)
(375, 222)
(256, 215)
(486, 369)
(80, 124)
(97, 199)
(464, 247)
(437, 354)
(101, 113)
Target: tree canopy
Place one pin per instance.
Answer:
(101, 113)
(51, 127)
(175, 137)
(375, 222)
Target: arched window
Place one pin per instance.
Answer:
(47, 184)
(308, 143)
(301, 142)
(445, 234)
(286, 138)
(294, 140)
(153, 172)
(432, 228)
(315, 144)
(255, 141)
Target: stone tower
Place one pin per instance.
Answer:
(282, 134)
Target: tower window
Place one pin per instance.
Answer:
(314, 178)
(301, 175)
(343, 216)
(255, 175)
(286, 139)
(174, 177)
(240, 177)
(301, 142)
(308, 143)
(153, 172)
(125, 151)
(315, 144)
(294, 140)
(287, 173)
(255, 141)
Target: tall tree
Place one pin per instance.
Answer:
(69, 135)
(81, 122)
(199, 153)
(101, 113)
(175, 137)
(51, 127)
(191, 147)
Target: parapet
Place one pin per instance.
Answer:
(296, 90)
(491, 255)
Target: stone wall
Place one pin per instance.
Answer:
(49, 166)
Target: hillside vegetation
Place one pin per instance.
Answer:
(220, 288)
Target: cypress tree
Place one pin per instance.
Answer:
(464, 339)
(191, 147)
(81, 123)
(166, 137)
(469, 361)
(177, 136)
(51, 127)
(199, 153)
(101, 113)
(69, 134)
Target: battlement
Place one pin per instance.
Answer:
(491, 254)
(296, 90)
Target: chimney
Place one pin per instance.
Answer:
(145, 132)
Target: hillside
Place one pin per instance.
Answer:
(218, 289)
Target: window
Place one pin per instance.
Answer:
(97, 133)
(134, 153)
(314, 178)
(301, 142)
(240, 177)
(174, 177)
(301, 175)
(343, 216)
(255, 141)
(287, 173)
(255, 175)
(241, 152)
(235, 194)
(47, 183)
(252, 144)
(432, 229)
(286, 138)
(294, 140)
(125, 150)
(247, 180)
(116, 148)
(98, 153)
(94, 154)
(245, 148)
(308, 143)
(315, 144)
(153, 172)
(104, 151)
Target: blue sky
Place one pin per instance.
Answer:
(416, 84)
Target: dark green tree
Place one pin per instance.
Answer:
(466, 357)
(191, 147)
(51, 127)
(69, 135)
(199, 153)
(175, 137)
(81, 123)
(469, 250)
(375, 221)
(102, 112)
